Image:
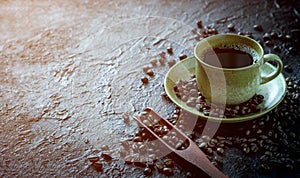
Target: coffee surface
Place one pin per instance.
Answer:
(227, 58)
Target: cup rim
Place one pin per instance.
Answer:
(261, 54)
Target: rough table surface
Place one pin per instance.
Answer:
(70, 78)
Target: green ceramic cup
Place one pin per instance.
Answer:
(232, 85)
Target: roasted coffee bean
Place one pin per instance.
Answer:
(231, 27)
(248, 132)
(169, 163)
(145, 80)
(206, 112)
(137, 138)
(265, 167)
(228, 142)
(199, 24)
(168, 171)
(170, 50)
(183, 56)
(246, 150)
(273, 35)
(211, 144)
(106, 156)
(171, 62)
(259, 131)
(162, 61)
(266, 37)
(277, 49)
(93, 158)
(97, 166)
(254, 147)
(150, 73)
(147, 171)
(252, 140)
(218, 160)
(258, 28)
(288, 68)
(220, 151)
(202, 145)
(269, 43)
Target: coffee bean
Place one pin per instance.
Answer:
(259, 131)
(209, 151)
(288, 68)
(170, 50)
(266, 37)
(159, 166)
(97, 166)
(106, 156)
(206, 112)
(228, 142)
(277, 49)
(169, 163)
(153, 63)
(93, 158)
(273, 35)
(254, 147)
(218, 160)
(246, 150)
(258, 28)
(231, 27)
(199, 24)
(150, 73)
(145, 80)
(220, 151)
(147, 171)
(252, 140)
(269, 43)
(183, 56)
(248, 132)
(168, 171)
(171, 62)
(288, 37)
(265, 167)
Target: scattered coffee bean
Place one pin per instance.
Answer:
(269, 43)
(258, 28)
(231, 27)
(288, 68)
(93, 158)
(154, 64)
(150, 73)
(220, 151)
(266, 37)
(168, 171)
(97, 166)
(171, 62)
(170, 50)
(199, 24)
(273, 35)
(183, 56)
(145, 80)
(147, 171)
(106, 156)
(277, 49)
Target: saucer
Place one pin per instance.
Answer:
(273, 91)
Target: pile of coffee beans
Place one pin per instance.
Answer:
(188, 92)
(271, 139)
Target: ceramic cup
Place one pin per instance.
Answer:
(232, 85)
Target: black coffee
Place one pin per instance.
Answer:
(228, 58)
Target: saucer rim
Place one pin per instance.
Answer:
(192, 110)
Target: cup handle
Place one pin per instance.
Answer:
(275, 58)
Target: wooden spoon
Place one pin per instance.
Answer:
(191, 153)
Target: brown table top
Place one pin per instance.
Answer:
(70, 78)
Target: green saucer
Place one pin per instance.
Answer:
(273, 91)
